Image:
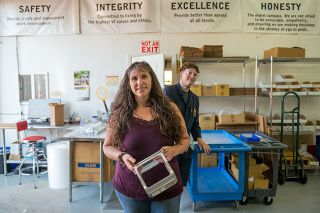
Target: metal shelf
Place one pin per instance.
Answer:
(290, 60)
(280, 94)
(280, 60)
(235, 59)
(301, 132)
(242, 60)
(28, 161)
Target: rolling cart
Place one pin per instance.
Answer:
(294, 171)
(266, 150)
(217, 183)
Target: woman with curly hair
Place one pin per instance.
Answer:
(142, 122)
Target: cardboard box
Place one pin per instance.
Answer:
(221, 90)
(252, 161)
(262, 120)
(208, 90)
(208, 160)
(57, 114)
(288, 85)
(314, 91)
(284, 78)
(212, 51)
(235, 159)
(86, 163)
(257, 170)
(284, 52)
(294, 85)
(14, 157)
(231, 118)
(207, 121)
(15, 148)
(316, 84)
(306, 84)
(196, 88)
(190, 52)
(235, 171)
(260, 183)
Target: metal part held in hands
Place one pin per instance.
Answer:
(147, 164)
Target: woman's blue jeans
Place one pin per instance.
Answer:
(131, 205)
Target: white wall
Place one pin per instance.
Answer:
(9, 93)
(61, 55)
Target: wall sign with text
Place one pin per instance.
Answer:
(149, 46)
(281, 16)
(120, 16)
(201, 16)
(38, 17)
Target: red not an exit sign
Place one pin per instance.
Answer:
(149, 46)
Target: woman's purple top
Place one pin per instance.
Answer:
(142, 140)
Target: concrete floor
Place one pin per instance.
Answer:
(291, 197)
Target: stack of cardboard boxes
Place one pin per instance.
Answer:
(206, 51)
(215, 89)
(256, 174)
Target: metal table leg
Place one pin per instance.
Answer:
(4, 152)
(101, 171)
(70, 171)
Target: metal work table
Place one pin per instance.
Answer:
(77, 136)
(9, 122)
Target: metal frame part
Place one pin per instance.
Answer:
(147, 164)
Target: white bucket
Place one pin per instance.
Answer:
(58, 165)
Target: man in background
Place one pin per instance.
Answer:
(188, 104)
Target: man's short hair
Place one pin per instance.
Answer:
(188, 65)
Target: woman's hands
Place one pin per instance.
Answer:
(129, 161)
(203, 146)
(169, 152)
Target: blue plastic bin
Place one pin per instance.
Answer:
(249, 137)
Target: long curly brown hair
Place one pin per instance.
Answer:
(122, 108)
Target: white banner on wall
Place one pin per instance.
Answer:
(38, 17)
(200, 16)
(120, 16)
(281, 16)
